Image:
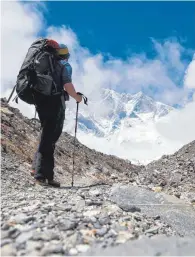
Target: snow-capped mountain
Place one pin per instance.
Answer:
(118, 123)
(116, 110)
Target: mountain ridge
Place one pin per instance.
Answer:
(123, 106)
(122, 120)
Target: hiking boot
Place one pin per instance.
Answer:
(41, 182)
(53, 183)
(32, 173)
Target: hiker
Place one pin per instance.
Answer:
(51, 112)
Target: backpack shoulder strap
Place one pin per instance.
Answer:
(51, 63)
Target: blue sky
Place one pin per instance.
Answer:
(122, 28)
(124, 46)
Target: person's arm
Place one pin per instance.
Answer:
(67, 82)
(69, 87)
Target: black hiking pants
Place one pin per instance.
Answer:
(51, 114)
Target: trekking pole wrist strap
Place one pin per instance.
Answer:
(85, 99)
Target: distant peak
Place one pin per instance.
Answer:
(139, 94)
(110, 91)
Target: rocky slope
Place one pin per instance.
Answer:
(109, 205)
(174, 174)
(20, 137)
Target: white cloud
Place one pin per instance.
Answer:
(189, 80)
(170, 53)
(179, 125)
(21, 24)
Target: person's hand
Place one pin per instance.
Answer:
(79, 98)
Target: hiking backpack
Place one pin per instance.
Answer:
(37, 73)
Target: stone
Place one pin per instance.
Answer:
(107, 242)
(62, 207)
(88, 232)
(78, 201)
(88, 240)
(34, 245)
(111, 209)
(93, 202)
(71, 240)
(4, 234)
(73, 251)
(192, 201)
(104, 220)
(14, 232)
(102, 231)
(91, 213)
(21, 219)
(51, 248)
(45, 236)
(8, 250)
(157, 217)
(67, 225)
(157, 189)
(95, 192)
(113, 176)
(92, 219)
(97, 225)
(24, 237)
(118, 227)
(153, 230)
(112, 233)
(32, 253)
(5, 241)
(26, 227)
(123, 236)
(82, 248)
(87, 219)
(69, 232)
(5, 226)
(6, 111)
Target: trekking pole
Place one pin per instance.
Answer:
(76, 123)
(74, 143)
(11, 94)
